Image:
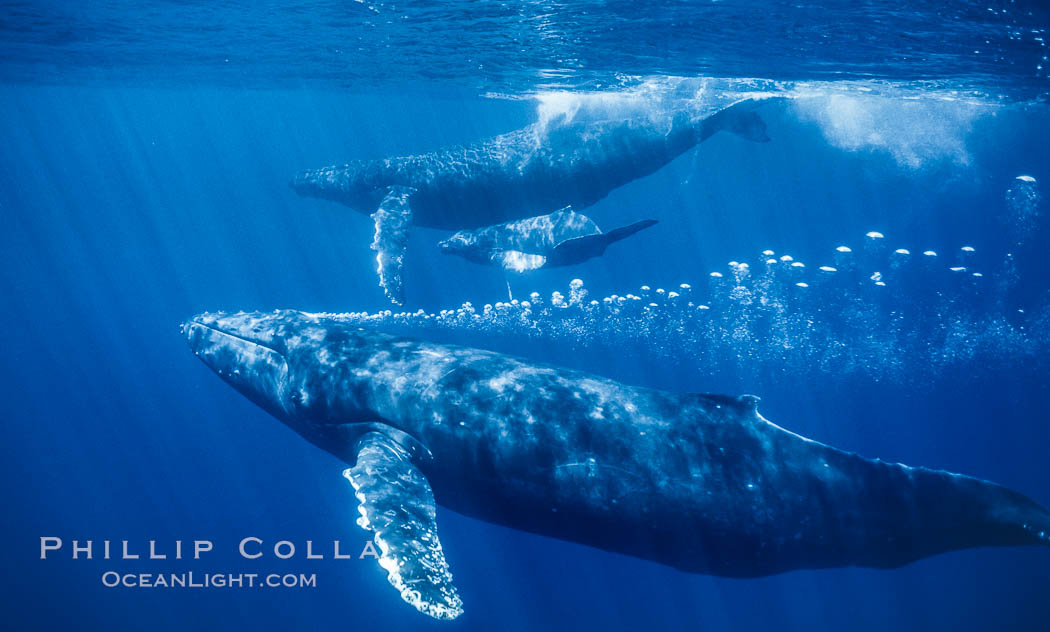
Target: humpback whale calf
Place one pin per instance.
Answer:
(562, 238)
(522, 173)
(700, 482)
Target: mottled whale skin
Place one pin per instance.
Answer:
(530, 171)
(562, 238)
(525, 172)
(698, 482)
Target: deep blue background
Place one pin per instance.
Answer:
(125, 211)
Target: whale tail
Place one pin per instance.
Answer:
(624, 232)
(740, 119)
(942, 512)
(1013, 518)
(579, 249)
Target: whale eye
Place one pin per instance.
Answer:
(299, 397)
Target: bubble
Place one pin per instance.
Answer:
(844, 258)
(914, 132)
(874, 235)
(576, 292)
(1023, 205)
(786, 320)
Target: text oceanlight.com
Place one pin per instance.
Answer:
(189, 579)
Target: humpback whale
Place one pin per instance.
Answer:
(562, 238)
(699, 482)
(526, 172)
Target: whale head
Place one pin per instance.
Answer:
(456, 244)
(304, 369)
(360, 185)
(472, 246)
(287, 362)
(247, 352)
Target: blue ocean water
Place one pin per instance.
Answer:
(146, 154)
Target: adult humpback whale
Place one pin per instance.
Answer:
(699, 482)
(522, 173)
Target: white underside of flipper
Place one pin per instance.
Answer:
(392, 220)
(518, 261)
(397, 506)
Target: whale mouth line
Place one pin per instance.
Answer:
(196, 323)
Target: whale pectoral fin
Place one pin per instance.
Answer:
(392, 220)
(397, 506)
(518, 261)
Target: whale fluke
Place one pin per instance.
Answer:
(580, 249)
(933, 511)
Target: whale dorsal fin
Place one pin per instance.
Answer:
(743, 403)
(397, 506)
(392, 220)
(568, 224)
